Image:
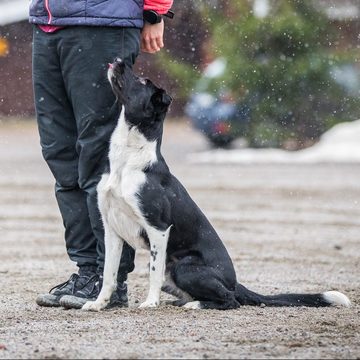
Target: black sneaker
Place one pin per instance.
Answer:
(69, 287)
(90, 292)
(55, 294)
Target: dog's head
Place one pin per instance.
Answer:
(144, 102)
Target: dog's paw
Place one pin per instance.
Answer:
(194, 305)
(149, 304)
(92, 306)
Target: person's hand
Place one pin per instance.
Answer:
(152, 37)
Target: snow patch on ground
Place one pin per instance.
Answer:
(341, 144)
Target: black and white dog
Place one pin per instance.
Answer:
(142, 203)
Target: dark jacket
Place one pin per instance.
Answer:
(124, 13)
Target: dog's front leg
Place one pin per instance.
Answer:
(158, 245)
(113, 250)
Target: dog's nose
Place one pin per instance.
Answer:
(120, 64)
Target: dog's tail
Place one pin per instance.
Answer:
(247, 297)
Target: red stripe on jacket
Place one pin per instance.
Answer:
(160, 6)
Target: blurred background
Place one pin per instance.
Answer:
(275, 73)
(246, 76)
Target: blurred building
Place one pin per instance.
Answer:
(15, 59)
(185, 38)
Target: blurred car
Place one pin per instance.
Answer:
(214, 112)
(347, 76)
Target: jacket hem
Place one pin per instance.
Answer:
(88, 21)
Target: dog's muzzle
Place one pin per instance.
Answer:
(117, 64)
(115, 69)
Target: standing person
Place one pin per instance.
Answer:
(73, 41)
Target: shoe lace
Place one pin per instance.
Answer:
(72, 278)
(94, 279)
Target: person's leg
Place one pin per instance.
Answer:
(85, 54)
(58, 135)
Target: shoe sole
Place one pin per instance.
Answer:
(74, 302)
(48, 300)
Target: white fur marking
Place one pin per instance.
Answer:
(194, 305)
(113, 251)
(130, 153)
(110, 74)
(336, 298)
(158, 241)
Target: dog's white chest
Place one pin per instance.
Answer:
(119, 203)
(120, 208)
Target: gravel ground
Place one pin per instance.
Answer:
(287, 228)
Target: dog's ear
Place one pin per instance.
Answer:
(161, 100)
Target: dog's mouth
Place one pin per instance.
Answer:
(116, 73)
(117, 64)
(118, 76)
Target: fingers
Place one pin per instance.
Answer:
(160, 41)
(152, 37)
(151, 45)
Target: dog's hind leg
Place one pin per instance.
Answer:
(158, 245)
(170, 288)
(113, 250)
(205, 286)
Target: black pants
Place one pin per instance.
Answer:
(76, 112)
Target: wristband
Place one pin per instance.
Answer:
(152, 17)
